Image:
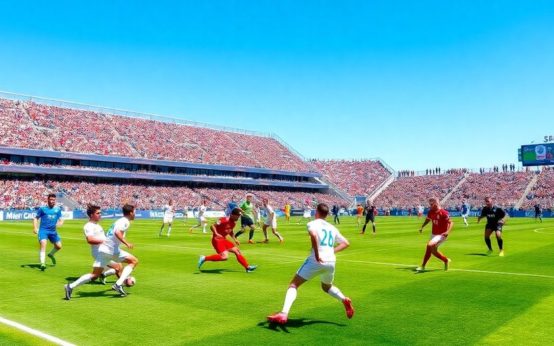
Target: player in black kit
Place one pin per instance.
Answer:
(495, 220)
(369, 211)
(538, 212)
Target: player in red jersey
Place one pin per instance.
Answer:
(441, 228)
(222, 229)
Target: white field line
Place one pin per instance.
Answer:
(537, 230)
(35, 332)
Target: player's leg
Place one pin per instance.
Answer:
(277, 234)
(169, 228)
(42, 252)
(264, 230)
(365, 225)
(240, 258)
(488, 233)
(290, 297)
(196, 226)
(373, 225)
(132, 263)
(54, 239)
(204, 225)
(500, 241)
(161, 229)
(327, 285)
(251, 234)
(436, 242)
(96, 272)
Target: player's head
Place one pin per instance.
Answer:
(265, 201)
(93, 212)
(249, 197)
(434, 204)
(129, 211)
(51, 200)
(235, 214)
(488, 202)
(321, 211)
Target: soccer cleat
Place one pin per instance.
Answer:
(102, 279)
(52, 258)
(489, 252)
(348, 307)
(68, 291)
(420, 269)
(201, 261)
(447, 263)
(280, 318)
(250, 241)
(501, 254)
(119, 289)
(42, 266)
(251, 268)
(265, 241)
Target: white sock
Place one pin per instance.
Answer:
(204, 228)
(42, 256)
(290, 297)
(168, 231)
(336, 293)
(126, 272)
(53, 251)
(109, 272)
(82, 280)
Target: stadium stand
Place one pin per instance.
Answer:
(542, 192)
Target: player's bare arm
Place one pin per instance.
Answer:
(35, 225)
(94, 241)
(424, 224)
(342, 245)
(119, 235)
(448, 228)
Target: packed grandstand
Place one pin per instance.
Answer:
(102, 156)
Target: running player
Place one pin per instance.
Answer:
(420, 210)
(465, 212)
(323, 237)
(359, 214)
(169, 214)
(369, 215)
(222, 229)
(94, 235)
(439, 232)
(201, 217)
(287, 211)
(110, 251)
(495, 220)
(50, 218)
(538, 212)
(270, 220)
(247, 218)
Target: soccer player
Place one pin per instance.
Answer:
(369, 216)
(420, 210)
(359, 213)
(323, 237)
(222, 229)
(230, 206)
(287, 212)
(465, 212)
(439, 232)
(270, 221)
(169, 214)
(495, 220)
(50, 218)
(201, 218)
(110, 251)
(335, 211)
(247, 218)
(94, 235)
(538, 212)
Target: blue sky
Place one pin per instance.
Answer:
(417, 83)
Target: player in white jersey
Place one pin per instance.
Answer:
(95, 236)
(201, 217)
(110, 251)
(169, 214)
(420, 210)
(321, 262)
(270, 220)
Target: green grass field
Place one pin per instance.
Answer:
(481, 300)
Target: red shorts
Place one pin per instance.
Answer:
(221, 244)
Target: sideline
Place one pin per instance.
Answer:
(35, 332)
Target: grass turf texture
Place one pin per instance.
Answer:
(481, 300)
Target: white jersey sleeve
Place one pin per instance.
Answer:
(327, 236)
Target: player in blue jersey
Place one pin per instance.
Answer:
(465, 212)
(50, 218)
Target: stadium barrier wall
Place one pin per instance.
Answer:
(29, 214)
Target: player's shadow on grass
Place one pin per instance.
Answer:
(34, 266)
(294, 323)
(477, 254)
(214, 271)
(413, 270)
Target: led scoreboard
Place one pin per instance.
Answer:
(537, 154)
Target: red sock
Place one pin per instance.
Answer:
(427, 256)
(242, 260)
(214, 258)
(441, 257)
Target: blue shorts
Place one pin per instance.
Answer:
(52, 236)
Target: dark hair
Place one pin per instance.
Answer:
(51, 195)
(323, 209)
(128, 209)
(236, 211)
(91, 209)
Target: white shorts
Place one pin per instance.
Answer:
(311, 268)
(307, 214)
(272, 223)
(437, 239)
(168, 219)
(465, 215)
(201, 219)
(103, 259)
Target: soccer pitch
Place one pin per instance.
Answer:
(480, 300)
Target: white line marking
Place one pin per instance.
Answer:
(35, 332)
(536, 230)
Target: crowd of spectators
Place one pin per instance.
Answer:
(356, 178)
(409, 192)
(506, 188)
(38, 126)
(542, 192)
